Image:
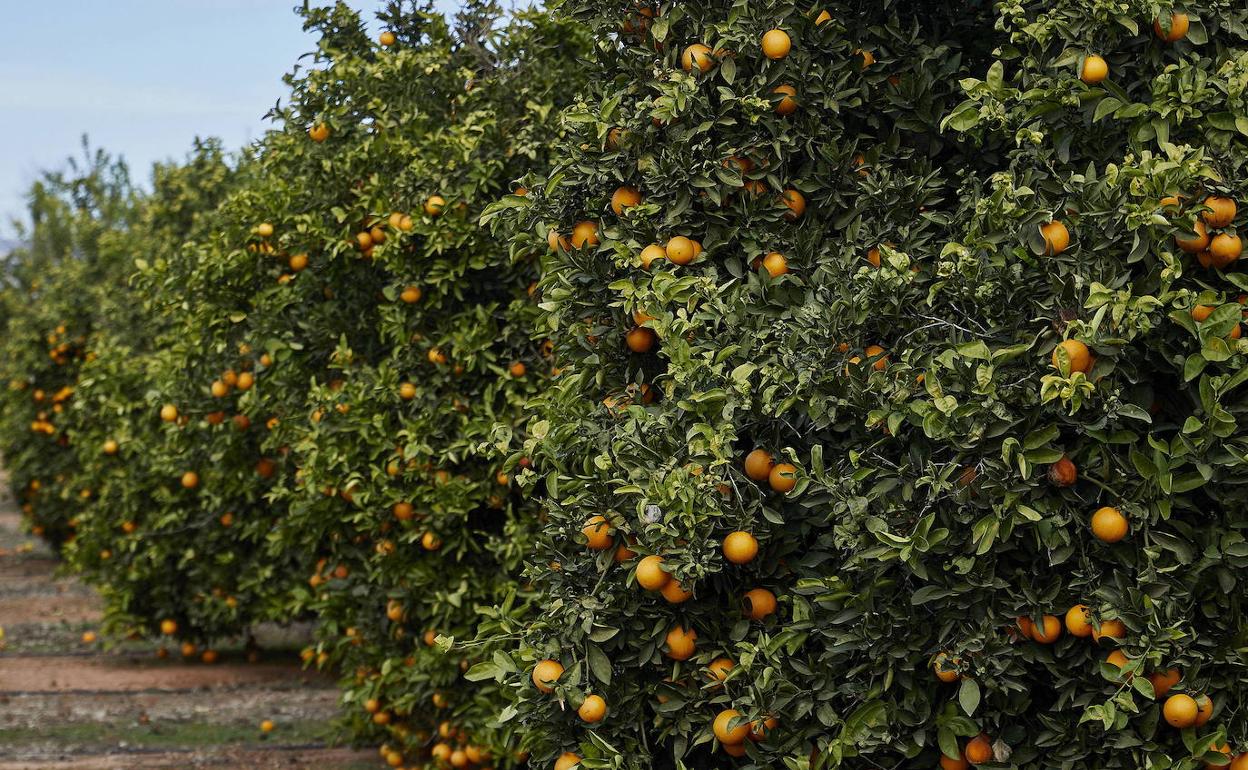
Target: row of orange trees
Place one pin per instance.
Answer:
(853, 385)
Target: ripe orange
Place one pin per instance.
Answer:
(868, 58)
(650, 253)
(190, 480)
(1240, 762)
(1221, 211)
(1113, 629)
(946, 667)
(650, 573)
(517, 369)
(584, 234)
(168, 413)
(681, 643)
(1094, 70)
(1225, 248)
(1180, 711)
(1063, 472)
(979, 750)
(759, 603)
(430, 542)
(675, 593)
(796, 202)
(110, 447)
(1076, 352)
(1109, 525)
(624, 197)
(566, 761)
(597, 532)
(546, 673)
(1079, 621)
(267, 726)
(319, 132)
(775, 264)
(776, 44)
(1197, 240)
(1164, 680)
(640, 339)
(728, 733)
(823, 18)
(949, 763)
(782, 478)
(1117, 658)
(740, 547)
(680, 250)
(1056, 238)
(1178, 28)
(593, 709)
(758, 464)
(403, 511)
(697, 55)
(719, 669)
(407, 391)
(434, 205)
(411, 294)
(1048, 630)
(1204, 710)
(787, 104)
(246, 380)
(264, 230)
(386, 38)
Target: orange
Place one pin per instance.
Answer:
(719, 669)
(624, 197)
(1077, 354)
(823, 18)
(584, 234)
(776, 44)
(264, 230)
(267, 726)
(650, 253)
(740, 547)
(783, 477)
(882, 362)
(1239, 763)
(1063, 473)
(403, 511)
(246, 380)
(950, 763)
(775, 264)
(758, 464)
(1204, 710)
(566, 761)
(1225, 248)
(517, 369)
(727, 732)
(788, 99)
(546, 673)
(979, 750)
(1117, 658)
(1094, 70)
(1113, 628)
(680, 250)
(1221, 211)
(1109, 525)
(1164, 680)
(1056, 238)
(873, 256)
(640, 339)
(190, 480)
(681, 643)
(946, 667)
(1201, 312)
(430, 542)
(209, 657)
(1079, 621)
(697, 55)
(168, 627)
(386, 38)
(796, 202)
(593, 709)
(868, 58)
(1180, 711)
(675, 593)
(1178, 28)
(1197, 240)
(168, 413)
(410, 294)
(598, 533)
(110, 447)
(1048, 630)
(319, 132)
(759, 728)
(407, 391)
(434, 205)
(759, 603)
(650, 573)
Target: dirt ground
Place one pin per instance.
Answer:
(66, 704)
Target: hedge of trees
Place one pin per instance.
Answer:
(684, 385)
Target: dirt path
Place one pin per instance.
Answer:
(67, 704)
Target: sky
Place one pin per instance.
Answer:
(141, 78)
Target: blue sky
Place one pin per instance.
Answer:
(141, 78)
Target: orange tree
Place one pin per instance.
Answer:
(48, 305)
(387, 337)
(902, 368)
